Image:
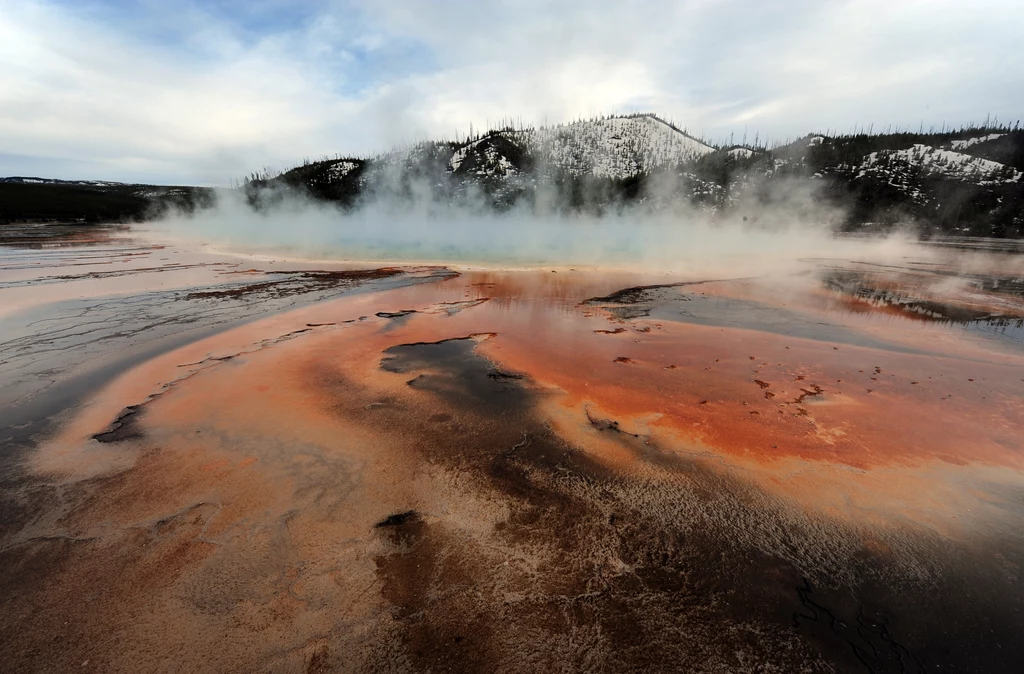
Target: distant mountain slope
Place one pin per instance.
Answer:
(938, 161)
(508, 162)
(22, 180)
(611, 147)
(970, 181)
(25, 199)
(615, 147)
(964, 182)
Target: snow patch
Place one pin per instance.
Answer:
(742, 152)
(936, 160)
(962, 144)
(460, 155)
(340, 169)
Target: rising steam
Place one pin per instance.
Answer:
(770, 233)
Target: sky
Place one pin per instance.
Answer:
(191, 92)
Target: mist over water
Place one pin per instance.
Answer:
(761, 238)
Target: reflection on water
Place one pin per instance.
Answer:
(42, 236)
(989, 304)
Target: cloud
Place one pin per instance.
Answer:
(206, 92)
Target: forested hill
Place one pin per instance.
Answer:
(46, 200)
(967, 182)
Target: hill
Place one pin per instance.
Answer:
(93, 201)
(589, 163)
(964, 182)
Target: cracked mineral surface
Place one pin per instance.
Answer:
(216, 463)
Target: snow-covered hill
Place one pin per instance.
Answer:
(938, 161)
(965, 181)
(22, 180)
(610, 147)
(616, 147)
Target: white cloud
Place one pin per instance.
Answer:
(184, 94)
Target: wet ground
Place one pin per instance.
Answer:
(213, 463)
(81, 305)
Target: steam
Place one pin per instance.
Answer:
(772, 229)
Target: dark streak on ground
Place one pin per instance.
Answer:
(685, 592)
(123, 427)
(608, 425)
(296, 282)
(398, 519)
(395, 314)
